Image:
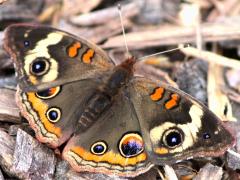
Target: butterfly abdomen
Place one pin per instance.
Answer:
(103, 98)
(96, 105)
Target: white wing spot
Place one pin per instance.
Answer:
(41, 50)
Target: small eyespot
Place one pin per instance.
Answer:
(48, 93)
(99, 148)
(206, 136)
(26, 43)
(131, 145)
(39, 66)
(53, 114)
(172, 138)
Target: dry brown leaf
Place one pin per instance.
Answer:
(218, 101)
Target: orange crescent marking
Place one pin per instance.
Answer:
(41, 109)
(172, 102)
(157, 94)
(87, 57)
(161, 150)
(53, 90)
(73, 49)
(110, 157)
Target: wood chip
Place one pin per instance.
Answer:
(62, 167)
(191, 77)
(1, 175)
(233, 160)
(209, 172)
(106, 15)
(107, 30)
(7, 143)
(232, 77)
(2, 1)
(31, 159)
(90, 176)
(15, 11)
(9, 112)
(78, 6)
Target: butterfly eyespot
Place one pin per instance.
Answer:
(172, 138)
(206, 136)
(48, 93)
(131, 145)
(39, 66)
(26, 43)
(99, 148)
(53, 114)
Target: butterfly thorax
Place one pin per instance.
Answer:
(103, 97)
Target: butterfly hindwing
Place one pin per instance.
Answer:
(46, 57)
(174, 125)
(113, 145)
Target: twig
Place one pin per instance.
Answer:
(105, 15)
(212, 57)
(172, 35)
(170, 173)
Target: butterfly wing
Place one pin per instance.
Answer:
(174, 125)
(46, 57)
(111, 146)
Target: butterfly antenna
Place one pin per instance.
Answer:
(163, 52)
(123, 30)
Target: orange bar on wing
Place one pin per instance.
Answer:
(87, 57)
(157, 94)
(73, 50)
(173, 102)
(109, 157)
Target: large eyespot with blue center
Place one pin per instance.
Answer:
(53, 114)
(131, 145)
(48, 93)
(99, 148)
(39, 66)
(173, 138)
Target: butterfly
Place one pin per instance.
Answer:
(108, 119)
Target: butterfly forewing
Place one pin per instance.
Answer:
(46, 57)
